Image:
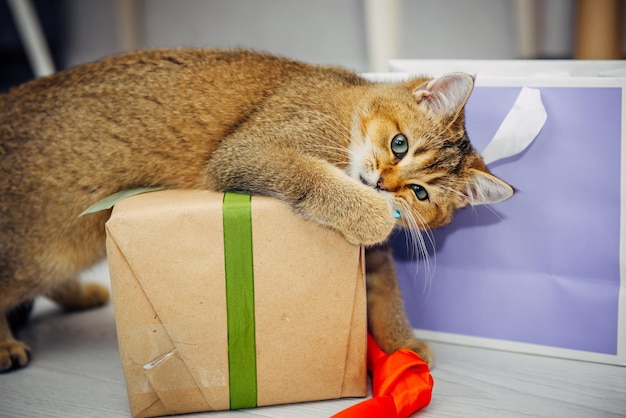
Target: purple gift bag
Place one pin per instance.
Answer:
(539, 273)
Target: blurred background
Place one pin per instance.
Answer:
(358, 34)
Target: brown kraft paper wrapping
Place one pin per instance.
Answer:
(166, 259)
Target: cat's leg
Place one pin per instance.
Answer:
(71, 296)
(19, 315)
(386, 315)
(14, 354)
(360, 213)
(316, 189)
(76, 296)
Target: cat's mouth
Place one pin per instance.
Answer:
(366, 182)
(376, 185)
(385, 193)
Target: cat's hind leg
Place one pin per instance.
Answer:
(76, 296)
(387, 318)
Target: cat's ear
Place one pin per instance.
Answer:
(445, 96)
(484, 188)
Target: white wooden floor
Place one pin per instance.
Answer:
(76, 372)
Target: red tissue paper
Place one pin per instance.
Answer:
(401, 385)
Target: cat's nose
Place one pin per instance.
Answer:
(380, 185)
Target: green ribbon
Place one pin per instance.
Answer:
(237, 218)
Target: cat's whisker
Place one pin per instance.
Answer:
(410, 230)
(462, 195)
(492, 210)
(328, 142)
(416, 230)
(430, 264)
(334, 148)
(343, 135)
(329, 122)
(440, 139)
(453, 191)
(337, 153)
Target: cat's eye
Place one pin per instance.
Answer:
(399, 146)
(419, 191)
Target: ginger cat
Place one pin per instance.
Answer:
(342, 151)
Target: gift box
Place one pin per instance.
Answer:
(543, 272)
(223, 301)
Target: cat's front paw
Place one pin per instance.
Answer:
(370, 220)
(423, 350)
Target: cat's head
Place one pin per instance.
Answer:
(409, 142)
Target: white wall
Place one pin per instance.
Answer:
(321, 31)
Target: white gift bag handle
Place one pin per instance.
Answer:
(519, 128)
